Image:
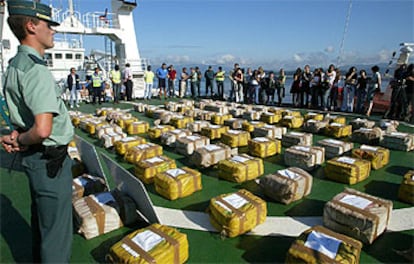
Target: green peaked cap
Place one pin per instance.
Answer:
(32, 9)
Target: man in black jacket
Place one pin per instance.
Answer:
(73, 85)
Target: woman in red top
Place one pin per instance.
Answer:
(172, 74)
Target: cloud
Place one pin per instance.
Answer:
(297, 57)
(183, 47)
(329, 49)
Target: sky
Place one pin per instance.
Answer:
(269, 33)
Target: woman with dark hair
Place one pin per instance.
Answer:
(351, 78)
(373, 88)
(361, 91)
(295, 88)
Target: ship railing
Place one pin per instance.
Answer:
(99, 20)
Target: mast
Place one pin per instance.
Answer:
(342, 45)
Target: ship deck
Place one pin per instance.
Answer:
(207, 246)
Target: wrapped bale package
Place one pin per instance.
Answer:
(264, 147)
(338, 130)
(314, 116)
(304, 157)
(270, 131)
(93, 125)
(237, 112)
(86, 184)
(210, 155)
(358, 215)
(287, 185)
(323, 246)
(123, 122)
(292, 121)
(347, 170)
(314, 126)
(235, 138)
(181, 121)
(270, 118)
(168, 138)
(156, 131)
(240, 168)
(406, 190)
(146, 169)
(218, 119)
(140, 107)
(252, 115)
(297, 138)
(237, 213)
(205, 115)
(153, 244)
(197, 125)
(96, 214)
(398, 141)
(138, 127)
(187, 145)
(358, 123)
(112, 137)
(143, 151)
(389, 125)
(371, 136)
(222, 109)
(100, 131)
(73, 152)
(378, 156)
(250, 126)
(287, 112)
(234, 123)
(177, 183)
(214, 131)
(334, 147)
(122, 145)
(335, 119)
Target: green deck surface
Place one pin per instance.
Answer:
(207, 247)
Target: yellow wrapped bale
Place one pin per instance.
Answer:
(321, 245)
(292, 121)
(358, 215)
(112, 137)
(93, 124)
(250, 126)
(122, 145)
(234, 123)
(338, 130)
(177, 183)
(170, 137)
(335, 119)
(105, 129)
(214, 131)
(347, 170)
(197, 125)
(187, 145)
(124, 122)
(270, 118)
(139, 127)
(270, 131)
(304, 157)
(314, 126)
(181, 121)
(264, 147)
(378, 156)
(146, 169)
(209, 155)
(406, 190)
(240, 168)
(237, 213)
(218, 119)
(287, 185)
(314, 116)
(153, 244)
(235, 138)
(334, 147)
(156, 131)
(297, 138)
(143, 151)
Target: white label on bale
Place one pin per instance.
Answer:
(323, 243)
(333, 141)
(371, 148)
(346, 160)
(72, 149)
(215, 126)
(312, 114)
(236, 132)
(398, 134)
(312, 121)
(261, 139)
(268, 126)
(356, 201)
(336, 124)
(254, 122)
(212, 147)
(288, 117)
(176, 131)
(234, 200)
(364, 129)
(154, 160)
(302, 148)
(146, 240)
(143, 146)
(128, 139)
(288, 174)
(239, 159)
(193, 138)
(297, 134)
(175, 172)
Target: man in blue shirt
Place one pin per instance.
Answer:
(162, 74)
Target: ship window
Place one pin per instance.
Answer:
(68, 56)
(78, 56)
(58, 55)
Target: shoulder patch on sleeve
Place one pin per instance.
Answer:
(37, 60)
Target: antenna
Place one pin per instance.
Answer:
(341, 47)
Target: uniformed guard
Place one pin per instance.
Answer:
(42, 131)
(115, 76)
(97, 81)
